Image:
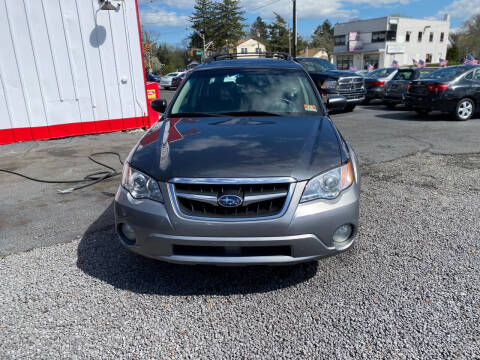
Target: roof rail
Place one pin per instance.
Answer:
(268, 55)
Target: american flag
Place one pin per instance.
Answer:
(470, 60)
(421, 64)
(395, 63)
(443, 62)
(353, 67)
(370, 67)
(415, 62)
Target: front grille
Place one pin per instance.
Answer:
(260, 200)
(231, 251)
(351, 87)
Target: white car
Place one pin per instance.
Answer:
(166, 81)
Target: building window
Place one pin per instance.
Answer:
(428, 58)
(442, 35)
(344, 62)
(244, 50)
(372, 59)
(378, 36)
(431, 37)
(257, 50)
(340, 40)
(392, 35)
(407, 36)
(420, 34)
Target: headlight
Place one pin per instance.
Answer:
(139, 185)
(330, 184)
(329, 84)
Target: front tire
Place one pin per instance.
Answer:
(349, 108)
(464, 110)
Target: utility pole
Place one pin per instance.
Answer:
(294, 28)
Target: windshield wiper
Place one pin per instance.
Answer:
(194, 114)
(249, 112)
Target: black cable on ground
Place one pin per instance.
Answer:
(89, 179)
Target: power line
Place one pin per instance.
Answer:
(262, 6)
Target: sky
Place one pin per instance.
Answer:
(170, 18)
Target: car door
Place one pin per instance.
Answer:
(475, 89)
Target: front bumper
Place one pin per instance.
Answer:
(305, 230)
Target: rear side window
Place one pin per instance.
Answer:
(448, 73)
(404, 75)
(424, 74)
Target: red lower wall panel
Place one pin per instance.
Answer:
(8, 136)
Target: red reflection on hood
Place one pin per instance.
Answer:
(173, 134)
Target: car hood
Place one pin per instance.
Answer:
(336, 74)
(224, 147)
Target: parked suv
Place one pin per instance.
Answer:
(454, 90)
(244, 167)
(333, 83)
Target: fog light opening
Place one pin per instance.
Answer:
(129, 234)
(342, 235)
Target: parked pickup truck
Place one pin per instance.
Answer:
(332, 82)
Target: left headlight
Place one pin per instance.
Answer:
(330, 84)
(330, 184)
(139, 185)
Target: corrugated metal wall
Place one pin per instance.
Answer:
(67, 68)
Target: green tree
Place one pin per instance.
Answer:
(323, 36)
(278, 34)
(452, 53)
(259, 31)
(203, 20)
(228, 23)
(468, 40)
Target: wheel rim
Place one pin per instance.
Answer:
(465, 109)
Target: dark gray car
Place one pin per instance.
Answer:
(244, 167)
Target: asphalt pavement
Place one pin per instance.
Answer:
(408, 289)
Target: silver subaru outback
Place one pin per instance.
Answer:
(244, 167)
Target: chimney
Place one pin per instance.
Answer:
(446, 17)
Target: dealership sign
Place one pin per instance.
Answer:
(395, 49)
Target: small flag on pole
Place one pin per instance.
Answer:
(470, 60)
(370, 67)
(415, 62)
(443, 62)
(353, 68)
(395, 63)
(421, 64)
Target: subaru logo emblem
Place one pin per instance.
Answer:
(230, 201)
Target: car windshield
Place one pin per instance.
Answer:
(316, 65)
(172, 74)
(256, 92)
(380, 73)
(448, 73)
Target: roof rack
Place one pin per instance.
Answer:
(267, 55)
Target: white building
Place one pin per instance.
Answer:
(250, 46)
(69, 68)
(381, 41)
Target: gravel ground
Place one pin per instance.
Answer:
(409, 289)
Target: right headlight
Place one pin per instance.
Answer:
(140, 185)
(330, 184)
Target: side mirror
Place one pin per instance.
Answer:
(159, 105)
(336, 103)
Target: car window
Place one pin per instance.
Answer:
(317, 65)
(172, 74)
(476, 75)
(379, 73)
(281, 92)
(448, 73)
(404, 75)
(424, 74)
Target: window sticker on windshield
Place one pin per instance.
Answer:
(310, 107)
